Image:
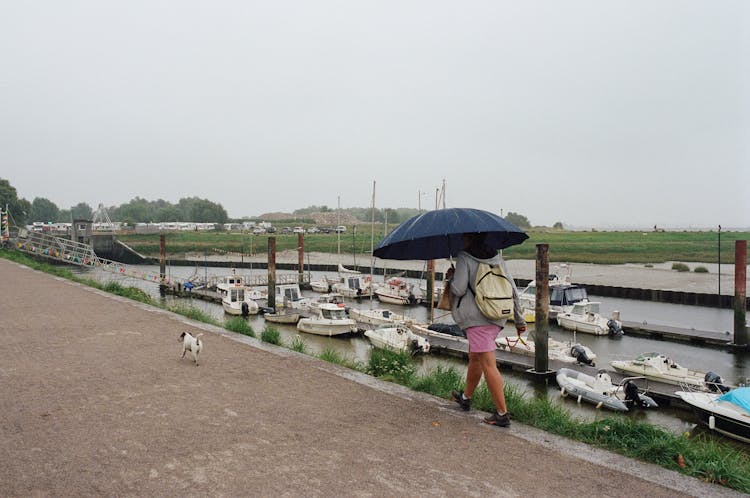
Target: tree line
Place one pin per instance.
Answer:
(193, 209)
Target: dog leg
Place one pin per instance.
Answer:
(184, 350)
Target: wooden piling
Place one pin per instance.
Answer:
(272, 272)
(301, 257)
(740, 293)
(541, 334)
(162, 258)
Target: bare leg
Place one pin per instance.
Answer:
(493, 379)
(473, 374)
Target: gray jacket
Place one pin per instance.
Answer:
(466, 314)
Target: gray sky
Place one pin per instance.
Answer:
(586, 112)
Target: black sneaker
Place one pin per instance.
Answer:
(464, 403)
(498, 420)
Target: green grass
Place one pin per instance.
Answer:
(299, 345)
(271, 335)
(391, 366)
(574, 247)
(336, 358)
(239, 325)
(193, 313)
(681, 267)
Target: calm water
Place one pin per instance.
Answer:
(733, 367)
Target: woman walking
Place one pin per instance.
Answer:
(480, 331)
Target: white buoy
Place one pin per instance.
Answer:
(616, 315)
(711, 422)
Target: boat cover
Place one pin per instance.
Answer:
(739, 396)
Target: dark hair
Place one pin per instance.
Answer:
(479, 247)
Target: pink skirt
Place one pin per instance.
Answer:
(482, 338)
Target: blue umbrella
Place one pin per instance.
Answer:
(439, 234)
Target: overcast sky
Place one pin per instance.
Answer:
(591, 113)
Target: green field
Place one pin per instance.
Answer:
(574, 247)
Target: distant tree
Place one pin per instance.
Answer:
(20, 209)
(64, 216)
(519, 220)
(43, 210)
(168, 213)
(558, 225)
(137, 210)
(202, 210)
(82, 211)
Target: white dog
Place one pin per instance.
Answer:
(192, 344)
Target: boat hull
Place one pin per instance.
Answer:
(695, 379)
(284, 318)
(593, 328)
(325, 328)
(723, 422)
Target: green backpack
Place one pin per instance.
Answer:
(493, 292)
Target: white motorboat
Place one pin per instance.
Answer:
(322, 285)
(313, 303)
(563, 294)
(657, 366)
(565, 352)
(223, 284)
(398, 338)
(600, 391)
(584, 317)
(377, 316)
(236, 301)
(396, 291)
(353, 285)
(727, 413)
(331, 320)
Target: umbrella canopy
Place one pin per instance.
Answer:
(439, 234)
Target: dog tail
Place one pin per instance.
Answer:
(199, 335)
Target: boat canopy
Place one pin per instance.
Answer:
(739, 396)
(566, 295)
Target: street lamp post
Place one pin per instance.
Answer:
(719, 260)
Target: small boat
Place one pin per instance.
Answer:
(236, 301)
(353, 286)
(376, 316)
(584, 317)
(228, 282)
(396, 291)
(657, 366)
(398, 338)
(282, 318)
(313, 303)
(321, 285)
(331, 320)
(727, 413)
(563, 294)
(600, 391)
(565, 352)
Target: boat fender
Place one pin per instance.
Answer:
(615, 330)
(715, 383)
(579, 399)
(712, 422)
(599, 405)
(563, 393)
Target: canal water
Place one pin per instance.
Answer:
(734, 367)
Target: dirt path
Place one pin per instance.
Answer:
(95, 401)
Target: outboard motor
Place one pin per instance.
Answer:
(245, 309)
(632, 398)
(615, 331)
(715, 383)
(579, 353)
(412, 299)
(415, 347)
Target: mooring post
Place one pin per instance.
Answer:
(431, 287)
(162, 258)
(740, 293)
(272, 272)
(541, 327)
(301, 257)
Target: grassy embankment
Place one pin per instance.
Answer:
(700, 457)
(572, 247)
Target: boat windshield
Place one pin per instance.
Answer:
(562, 296)
(331, 314)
